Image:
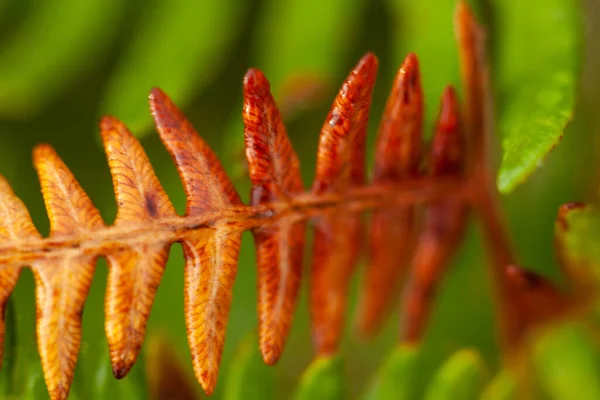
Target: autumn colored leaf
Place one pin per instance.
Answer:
(444, 222)
(137, 244)
(392, 230)
(62, 283)
(340, 165)
(275, 174)
(210, 255)
(134, 272)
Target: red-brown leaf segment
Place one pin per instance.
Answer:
(137, 244)
(392, 230)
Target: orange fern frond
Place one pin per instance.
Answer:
(136, 246)
(275, 174)
(392, 230)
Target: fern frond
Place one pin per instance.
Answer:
(137, 244)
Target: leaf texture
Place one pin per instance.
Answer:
(134, 271)
(444, 222)
(137, 244)
(62, 283)
(211, 255)
(392, 230)
(340, 165)
(275, 174)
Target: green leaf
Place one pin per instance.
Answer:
(58, 41)
(539, 45)
(179, 46)
(462, 376)
(249, 377)
(502, 387)
(393, 380)
(567, 363)
(578, 235)
(323, 380)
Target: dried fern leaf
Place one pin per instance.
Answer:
(62, 282)
(443, 226)
(392, 230)
(275, 174)
(340, 166)
(134, 271)
(210, 254)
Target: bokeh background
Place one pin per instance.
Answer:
(64, 63)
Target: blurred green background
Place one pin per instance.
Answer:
(63, 64)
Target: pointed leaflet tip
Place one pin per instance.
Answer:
(210, 254)
(340, 166)
(275, 174)
(205, 182)
(256, 84)
(62, 284)
(443, 225)
(447, 149)
(134, 272)
(397, 157)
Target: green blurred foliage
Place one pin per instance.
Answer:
(393, 379)
(461, 377)
(64, 64)
(323, 380)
